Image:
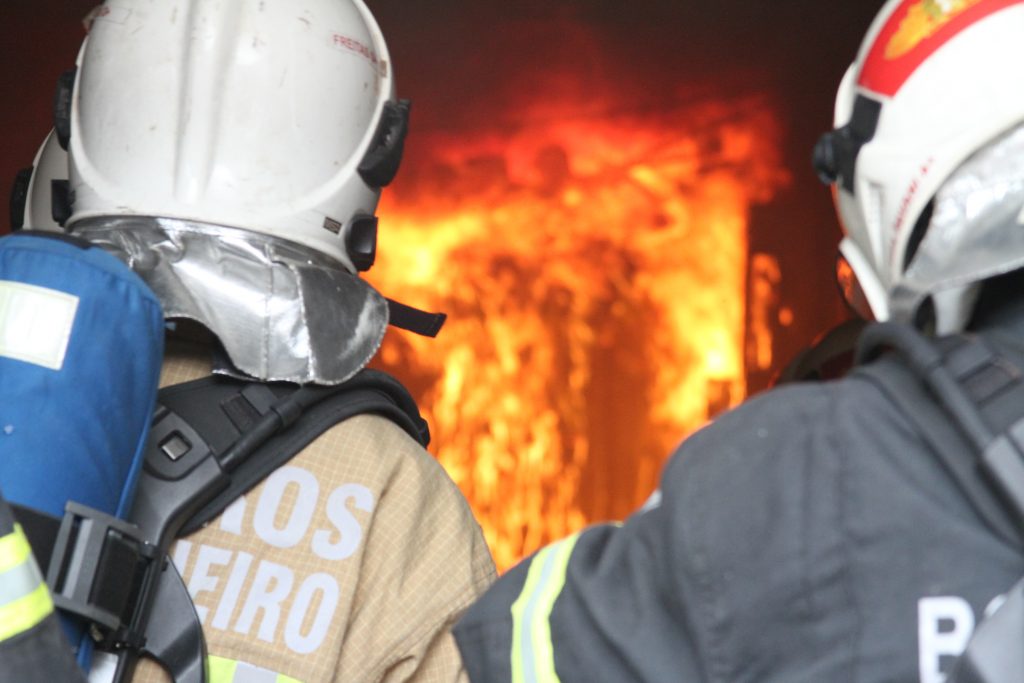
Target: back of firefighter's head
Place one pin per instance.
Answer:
(273, 116)
(927, 158)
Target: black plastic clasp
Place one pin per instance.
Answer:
(62, 201)
(836, 152)
(174, 448)
(19, 197)
(181, 473)
(361, 242)
(97, 569)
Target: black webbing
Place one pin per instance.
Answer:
(285, 426)
(961, 397)
(414, 320)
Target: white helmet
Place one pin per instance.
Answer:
(233, 152)
(924, 118)
(274, 116)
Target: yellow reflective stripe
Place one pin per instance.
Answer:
(224, 670)
(24, 613)
(25, 598)
(13, 549)
(220, 669)
(533, 656)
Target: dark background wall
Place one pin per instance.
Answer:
(464, 61)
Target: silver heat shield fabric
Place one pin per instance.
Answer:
(281, 310)
(976, 231)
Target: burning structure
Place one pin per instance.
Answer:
(579, 193)
(595, 269)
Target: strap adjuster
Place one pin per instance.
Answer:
(99, 566)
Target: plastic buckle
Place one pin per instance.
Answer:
(98, 565)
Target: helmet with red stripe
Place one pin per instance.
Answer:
(923, 156)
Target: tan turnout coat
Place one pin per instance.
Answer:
(349, 563)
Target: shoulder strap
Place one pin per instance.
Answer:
(212, 440)
(253, 427)
(967, 403)
(982, 394)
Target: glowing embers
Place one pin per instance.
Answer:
(594, 274)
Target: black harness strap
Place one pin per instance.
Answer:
(961, 381)
(406, 317)
(95, 567)
(211, 441)
(933, 384)
(215, 438)
(252, 428)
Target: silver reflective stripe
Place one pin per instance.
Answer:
(25, 600)
(19, 581)
(224, 670)
(247, 673)
(104, 666)
(531, 615)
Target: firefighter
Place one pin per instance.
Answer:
(232, 153)
(33, 649)
(821, 531)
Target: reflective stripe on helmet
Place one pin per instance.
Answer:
(24, 598)
(224, 670)
(533, 656)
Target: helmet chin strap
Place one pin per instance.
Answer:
(414, 320)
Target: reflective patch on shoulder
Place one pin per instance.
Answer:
(35, 323)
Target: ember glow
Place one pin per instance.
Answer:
(595, 275)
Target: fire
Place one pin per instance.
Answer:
(594, 271)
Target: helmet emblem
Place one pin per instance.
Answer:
(923, 20)
(913, 32)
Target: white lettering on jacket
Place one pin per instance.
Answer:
(944, 625)
(278, 603)
(229, 600)
(349, 533)
(269, 506)
(324, 586)
(202, 580)
(271, 586)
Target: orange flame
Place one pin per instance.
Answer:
(594, 272)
